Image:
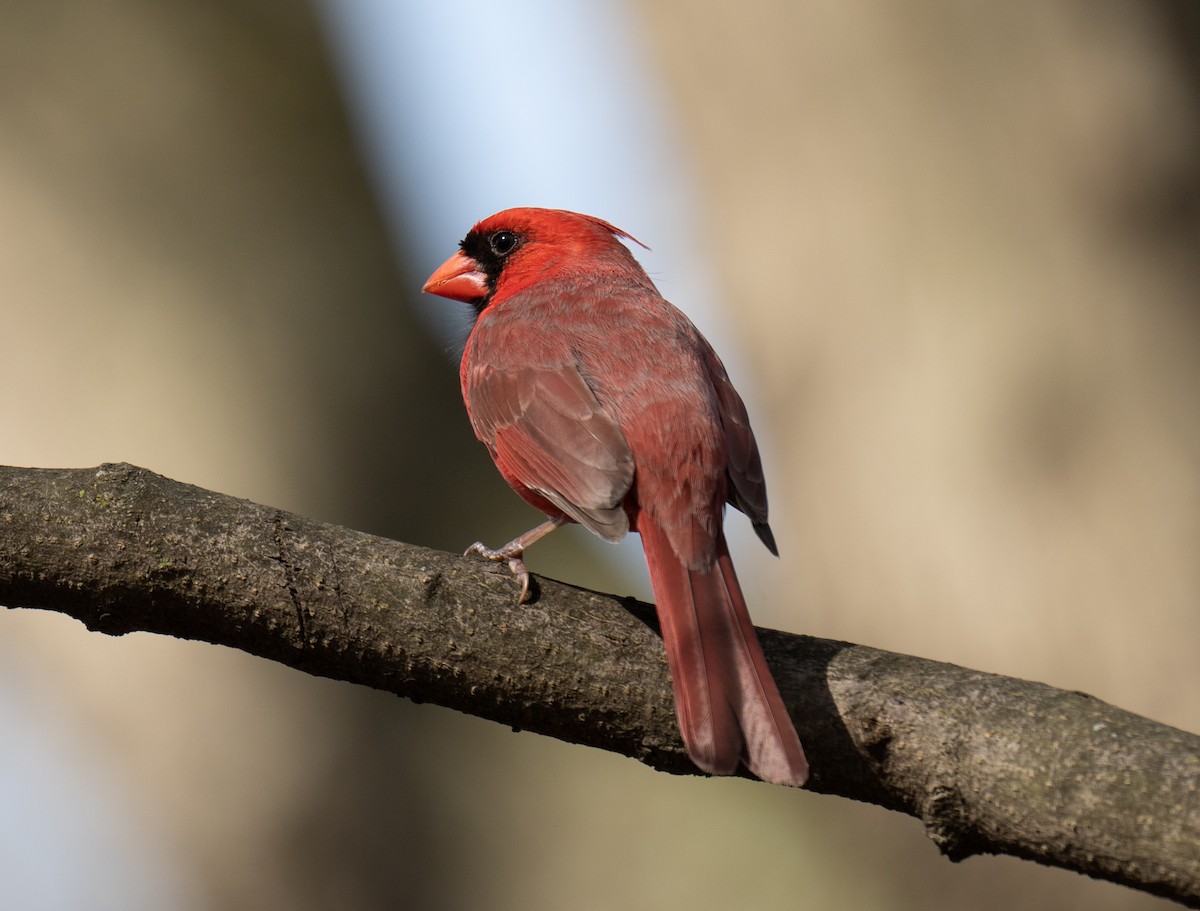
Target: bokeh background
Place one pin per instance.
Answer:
(950, 252)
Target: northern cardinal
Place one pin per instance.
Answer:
(602, 404)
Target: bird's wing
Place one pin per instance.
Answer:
(547, 429)
(748, 487)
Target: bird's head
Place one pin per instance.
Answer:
(514, 249)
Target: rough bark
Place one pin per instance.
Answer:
(990, 764)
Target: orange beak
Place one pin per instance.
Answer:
(458, 278)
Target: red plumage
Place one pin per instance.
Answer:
(602, 404)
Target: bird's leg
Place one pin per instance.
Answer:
(515, 549)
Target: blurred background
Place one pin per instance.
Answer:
(949, 252)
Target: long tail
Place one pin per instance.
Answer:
(728, 705)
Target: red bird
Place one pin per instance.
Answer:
(602, 404)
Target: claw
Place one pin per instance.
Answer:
(522, 574)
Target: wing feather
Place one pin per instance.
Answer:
(548, 429)
(748, 487)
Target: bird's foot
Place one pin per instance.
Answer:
(512, 552)
(506, 554)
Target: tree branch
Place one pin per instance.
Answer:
(989, 764)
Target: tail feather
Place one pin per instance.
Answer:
(728, 705)
(772, 749)
(699, 671)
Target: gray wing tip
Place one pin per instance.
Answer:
(763, 530)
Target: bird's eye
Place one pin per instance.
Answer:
(503, 242)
